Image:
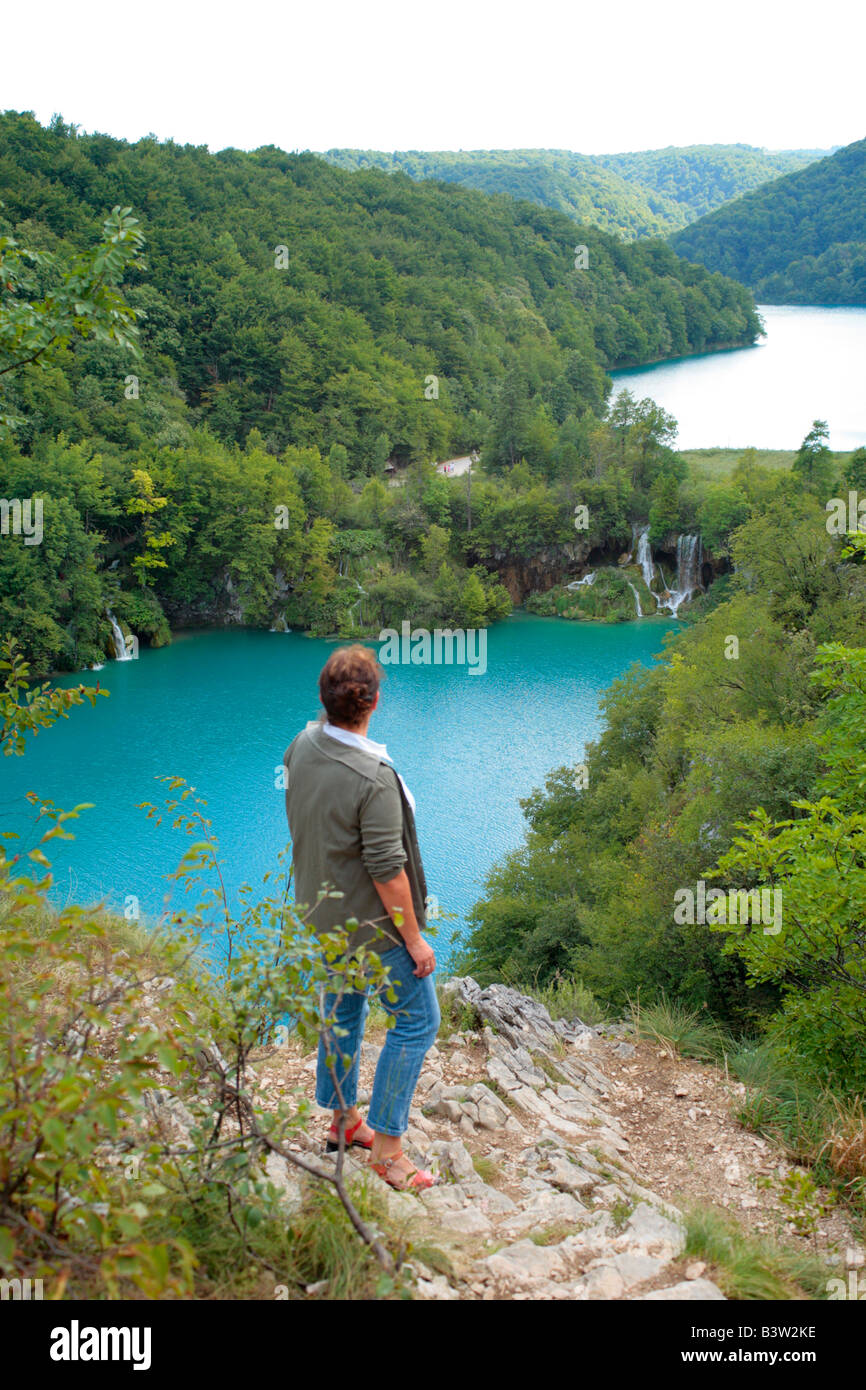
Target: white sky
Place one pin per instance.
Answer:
(594, 76)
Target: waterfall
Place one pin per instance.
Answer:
(281, 625)
(120, 649)
(689, 556)
(589, 579)
(362, 594)
(645, 556)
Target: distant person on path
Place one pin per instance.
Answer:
(352, 824)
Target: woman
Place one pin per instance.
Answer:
(351, 819)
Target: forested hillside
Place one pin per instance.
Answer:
(699, 178)
(649, 193)
(799, 240)
(303, 331)
(384, 281)
(575, 184)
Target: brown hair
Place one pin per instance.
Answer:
(349, 683)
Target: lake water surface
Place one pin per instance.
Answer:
(218, 708)
(811, 366)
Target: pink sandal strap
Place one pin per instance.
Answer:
(333, 1133)
(417, 1178)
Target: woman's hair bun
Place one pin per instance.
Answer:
(349, 683)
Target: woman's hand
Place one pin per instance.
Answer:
(396, 898)
(422, 954)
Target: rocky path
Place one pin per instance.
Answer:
(539, 1197)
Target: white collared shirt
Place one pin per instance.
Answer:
(378, 750)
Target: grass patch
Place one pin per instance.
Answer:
(376, 1022)
(551, 1235)
(457, 1015)
(814, 1126)
(621, 1211)
(751, 1267)
(504, 1096)
(609, 1168)
(487, 1170)
(717, 464)
(609, 599)
(433, 1258)
(680, 1031)
(551, 1071)
(567, 997)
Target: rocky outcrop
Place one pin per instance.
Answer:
(224, 604)
(535, 574)
(536, 1196)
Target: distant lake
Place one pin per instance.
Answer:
(218, 708)
(811, 366)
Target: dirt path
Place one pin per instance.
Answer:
(685, 1139)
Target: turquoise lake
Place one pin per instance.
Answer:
(218, 708)
(811, 366)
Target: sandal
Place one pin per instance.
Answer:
(416, 1180)
(333, 1141)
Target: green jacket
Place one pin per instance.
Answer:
(350, 823)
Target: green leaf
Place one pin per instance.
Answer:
(55, 1135)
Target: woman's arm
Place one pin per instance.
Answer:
(396, 897)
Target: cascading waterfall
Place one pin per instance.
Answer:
(688, 581)
(689, 556)
(588, 579)
(642, 552)
(281, 625)
(645, 556)
(362, 594)
(121, 653)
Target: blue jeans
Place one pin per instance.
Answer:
(406, 1044)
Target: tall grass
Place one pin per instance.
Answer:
(567, 997)
(749, 1267)
(680, 1030)
(813, 1125)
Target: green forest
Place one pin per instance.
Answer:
(798, 240)
(302, 338)
(698, 178)
(649, 193)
